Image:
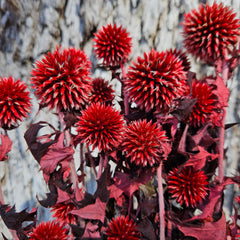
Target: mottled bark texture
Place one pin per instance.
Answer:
(29, 28)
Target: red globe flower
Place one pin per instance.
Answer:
(205, 106)
(50, 231)
(100, 126)
(61, 213)
(156, 80)
(122, 228)
(113, 45)
(187, 186)
(142, 142)
(14, 102)
(101, 91)
(61, 79)
(210, 31)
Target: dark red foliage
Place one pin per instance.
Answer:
(187, 186)
(122, 228)
(211, 31)
(49, 230)
(101, 91)
(14, 102)
(113, 45)
(156, 80)
(62, 79)
(143, 142)
(100, 126)
(5, 147)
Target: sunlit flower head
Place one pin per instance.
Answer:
(14, 102)
(156, 80)
(62, 79)
(49, 231)
(142, 142)
(113, 45)
(210, 31)
(122, 228)
(100, 126)
(188, 186)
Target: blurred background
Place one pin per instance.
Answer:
(31, 28)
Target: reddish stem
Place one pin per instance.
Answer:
(161, 203)
(82, 164)
(68, 139)
(125, 95)
(100, 169)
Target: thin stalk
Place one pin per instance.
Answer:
(125, 95)
(68, 139)
(225, 71)
(161, 203)
(101, 164)
(82, 164)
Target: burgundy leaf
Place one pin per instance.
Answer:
(94, 211)
(5, 147)
(147, 229)
(91, 231)
(14, 220)
(37, 148)
(56, 153)
(206, 231)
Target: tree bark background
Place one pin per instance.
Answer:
(30, 28)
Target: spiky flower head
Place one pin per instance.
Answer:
(142, 142)
(61, 211)
(122, 228)
(49, 230)
(206, 103)
(211, 31)
(156, 80)
(61, 79)
(187, 185)
(14, 102)
(100, 126)
(101, 91)
(113, 45)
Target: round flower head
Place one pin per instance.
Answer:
(156, 80)
(101, 91)
(187, 186)
(122, 228)
(50, 231)
(113, 45)
(205, 105)
(61, 79)
(100, 126)
(142, 142)
(14, 102)
(61, 213)
(210, 31)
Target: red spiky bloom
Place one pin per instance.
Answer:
(113, 45)
(143, 142)
(61, 79)
(187, 186)
(122, 228)
(61, 211)
(50, 231)
(14, 102)
(101, 91)
(100, 126)
(156, 80)
(210, 31)
(206, 103)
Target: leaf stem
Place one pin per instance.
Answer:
(161, 203)
(125, 95)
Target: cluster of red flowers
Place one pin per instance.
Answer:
(151, 134)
